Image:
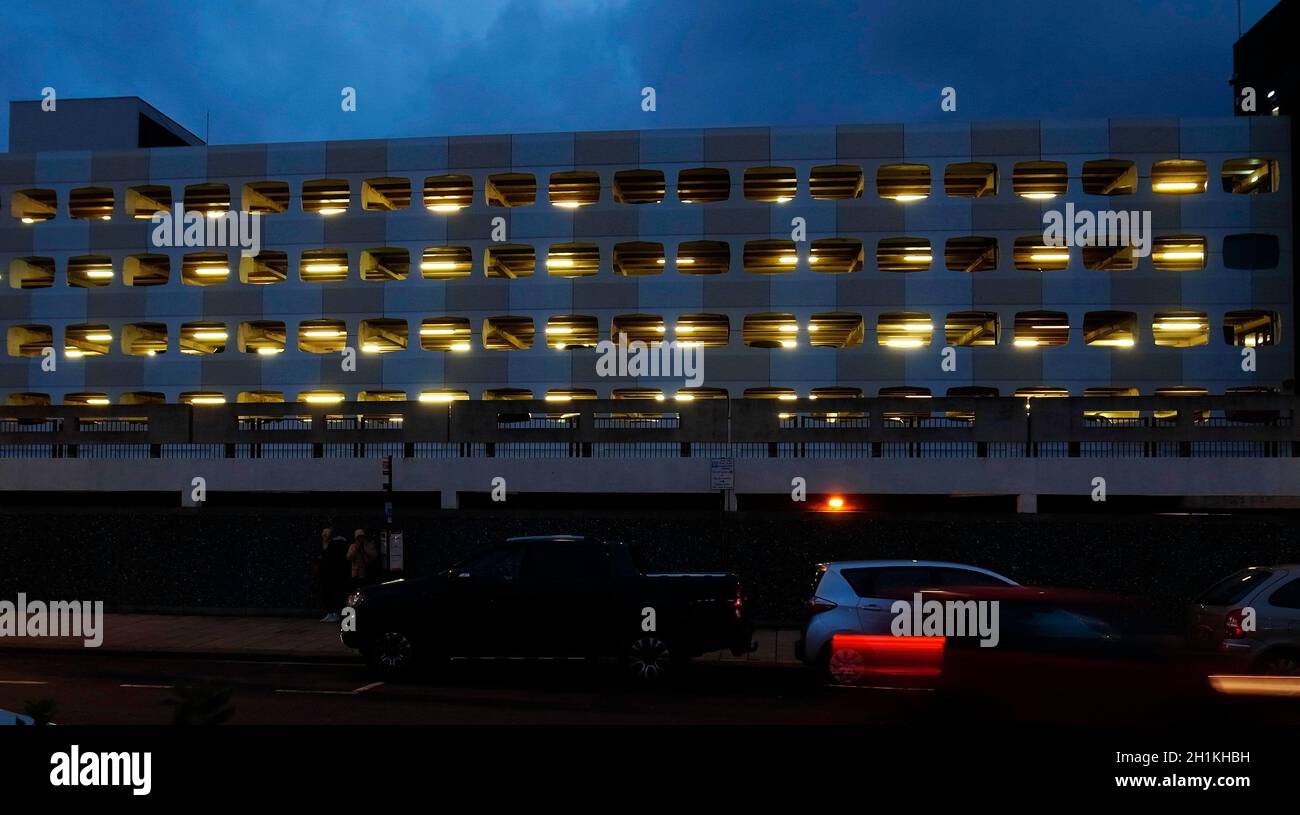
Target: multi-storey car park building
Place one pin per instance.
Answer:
(847, 263)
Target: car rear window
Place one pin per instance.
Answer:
(1233, 589)
(953, 578)
(889, 581)
(1288, 596)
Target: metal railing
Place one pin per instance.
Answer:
(1248, 425)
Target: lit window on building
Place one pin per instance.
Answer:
(1179, 176)
(573, 189)
(91, 204)
(323, 266)
(703, 185)
(326, 196)
(904, 329)
(511, 190)
(835, 182)
(322, 336)
(1031, 254)
(382, 335)
(1040, 180)
(205, 268)
(971, 179)
(970, 254)
(904, 254)
(386, 194)
(703, 257)
(771, 330)
(450, 262)
(1109, 176)
(903, 182)
(570, 331)
(509, 261)
(1178, 253)
(200, 338)
(638, 259)
(144, 339)
(90, 271)
(1110, 329)
(446, 194)
(1250, 176)
(385, 263)
(773, 185)
(266, 197)
(445, 334)
(639, 186)
(971, 329)
(508, 333)
(572, 259)
(835, 255)
(146, 270)
(1041, 329)
(266, 267)
(1180, 329)
(775, 256)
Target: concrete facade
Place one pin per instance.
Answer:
(1215, 289)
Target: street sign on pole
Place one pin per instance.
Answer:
(722, 474)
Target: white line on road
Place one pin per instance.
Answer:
(281, 662)
(352, 692)
(22, 682)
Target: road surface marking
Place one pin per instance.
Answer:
(22, 682)
(352, 692)
(156, 687)
(320, 692)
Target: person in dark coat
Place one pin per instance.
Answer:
(333, 573)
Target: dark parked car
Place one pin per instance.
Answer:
(553, 596)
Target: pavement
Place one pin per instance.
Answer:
(291, 638)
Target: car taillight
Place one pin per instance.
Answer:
(818, 605)
(739, 603)
(1232, 629)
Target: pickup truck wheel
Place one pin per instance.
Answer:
(392, 653)
(648, 660)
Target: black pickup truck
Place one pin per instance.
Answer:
(552, 596)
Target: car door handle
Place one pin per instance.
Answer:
(873, 607)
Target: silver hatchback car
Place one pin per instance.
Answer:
(1268, 644)
(849, 597)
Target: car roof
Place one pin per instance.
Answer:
(878, 564)
(1034, 594)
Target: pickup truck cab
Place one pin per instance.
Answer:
(558, 596)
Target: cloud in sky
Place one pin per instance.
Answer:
(273, 71)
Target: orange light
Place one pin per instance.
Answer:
(836, 503)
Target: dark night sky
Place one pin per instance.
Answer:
(273, 71)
